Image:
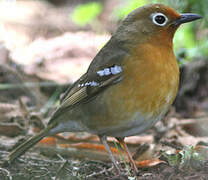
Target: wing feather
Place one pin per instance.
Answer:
(77, 94)
(96, 79)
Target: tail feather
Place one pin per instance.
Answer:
(20, 150)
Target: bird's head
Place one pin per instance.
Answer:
(153, 20)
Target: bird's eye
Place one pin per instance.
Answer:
(159, 19)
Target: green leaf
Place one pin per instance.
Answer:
(173, 159)
(184, 157)
(84, 14)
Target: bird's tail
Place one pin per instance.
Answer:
(21, 149)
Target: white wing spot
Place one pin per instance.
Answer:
(108, 71)
(91, 83)
(101, 73)
(116, 69)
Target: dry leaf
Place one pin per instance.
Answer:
(149, 163)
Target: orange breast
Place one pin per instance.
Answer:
(149, 84)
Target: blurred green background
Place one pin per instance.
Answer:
(190, 42)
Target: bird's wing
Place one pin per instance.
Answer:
(87, 87)
(101, 74)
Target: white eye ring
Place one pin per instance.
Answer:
(156, 21)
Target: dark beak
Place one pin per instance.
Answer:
(187, 17)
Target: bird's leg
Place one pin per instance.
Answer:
(103, 140)
(125, 148)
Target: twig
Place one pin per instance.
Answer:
(101, 172)
(60, 170)
(7, 173)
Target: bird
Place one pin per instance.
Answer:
(129, 85)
